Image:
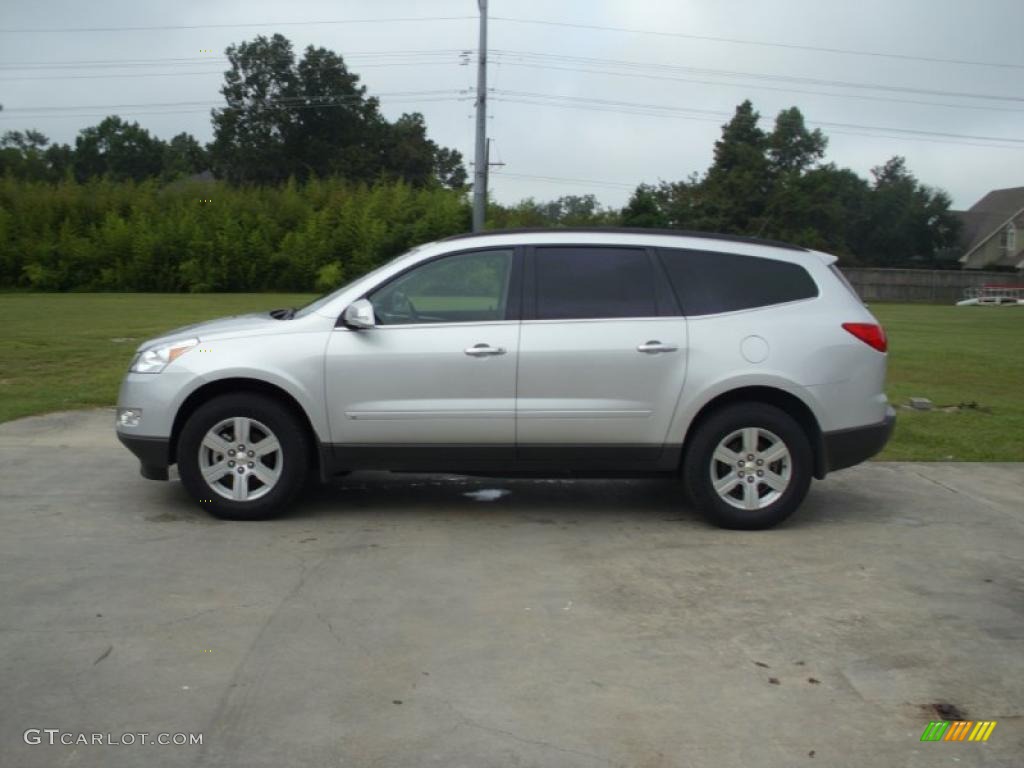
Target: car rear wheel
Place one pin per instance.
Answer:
(749, 466)
(243, 457)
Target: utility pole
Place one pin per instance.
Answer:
(480, 164)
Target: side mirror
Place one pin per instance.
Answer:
(359, 314)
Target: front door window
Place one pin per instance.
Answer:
(466, 288)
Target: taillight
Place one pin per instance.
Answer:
(871, 334)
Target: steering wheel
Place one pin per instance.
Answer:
(399, 299)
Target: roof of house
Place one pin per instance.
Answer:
(988, 214)
(1010, 259)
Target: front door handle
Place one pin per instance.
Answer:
(484, 350)
(654, 347)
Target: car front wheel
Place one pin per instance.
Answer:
(749, 466)
(243, 456)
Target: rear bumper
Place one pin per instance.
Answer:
(154, 454)
(847, 447)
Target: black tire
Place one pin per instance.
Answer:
(294, 453)
(697, 466)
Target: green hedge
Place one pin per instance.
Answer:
(152, 236)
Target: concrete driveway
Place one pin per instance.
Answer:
(427, 620)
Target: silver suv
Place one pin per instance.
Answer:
(743, 367)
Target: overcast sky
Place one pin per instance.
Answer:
(616, 145)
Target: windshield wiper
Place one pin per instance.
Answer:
(283, 314)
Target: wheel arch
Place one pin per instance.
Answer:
(781, 399)
(235, 385)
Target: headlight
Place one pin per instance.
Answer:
(155, 359)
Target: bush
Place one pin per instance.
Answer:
(128, 236)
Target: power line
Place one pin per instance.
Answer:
(284, 101)
(167, 27)
(562, 179)
(656, 110)
(712, 120)
(754, 75)
(531, 59)
(774, 89)
(112, 76)
(205, 72)
(194, 110)
(665, 111)
(189, 60)
(716, 113)
(509, 19)
(764, 43)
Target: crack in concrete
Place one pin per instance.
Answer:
(938, 483)
(218, 722)
(468, 721)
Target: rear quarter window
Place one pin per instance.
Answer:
(707, 282)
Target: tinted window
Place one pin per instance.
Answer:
(466, 288)
(574, 283)
(706, 282)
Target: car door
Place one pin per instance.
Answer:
(433, 382)
(602, 357)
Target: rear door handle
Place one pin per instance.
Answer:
(484, 350)
(654, 347)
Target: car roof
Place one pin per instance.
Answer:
(636, 234)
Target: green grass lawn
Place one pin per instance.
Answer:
(63, 351)
(71, 350)
(952, 355)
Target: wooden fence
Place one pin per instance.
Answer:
(934, 286)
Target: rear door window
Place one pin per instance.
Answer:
(708, 282)
(591, 282)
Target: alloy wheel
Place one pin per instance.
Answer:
(751, 468)
(240, 459)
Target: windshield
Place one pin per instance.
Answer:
(316, 304)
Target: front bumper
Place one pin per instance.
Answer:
(847, 447)
(158, 396)
(154, 454)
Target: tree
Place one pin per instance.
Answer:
(119, 150)
(339, 129)
(60, 159)
(285, 118)
(773, 185)
(791, 147)
(565, 211)
(646, 208)
(825, 208)
(791, 153)
(23, 154)
(449, 168)
(253, 130)
(742, 145)
(406, 152)
(735, 190)
(25, 141)
(910, 222)
(184, 156)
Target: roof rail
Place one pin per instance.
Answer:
(628, 231)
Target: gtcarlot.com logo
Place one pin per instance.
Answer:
(67, 738)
